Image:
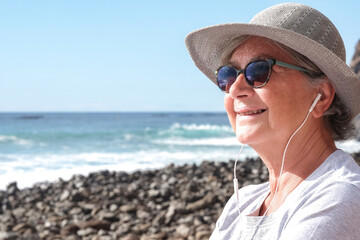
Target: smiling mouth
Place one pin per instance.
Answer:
(249, 113)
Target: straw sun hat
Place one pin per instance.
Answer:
(297, 26)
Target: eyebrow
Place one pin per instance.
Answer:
(256, 58)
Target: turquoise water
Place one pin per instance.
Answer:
(46, 146)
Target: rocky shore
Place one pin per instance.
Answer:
(176, 202)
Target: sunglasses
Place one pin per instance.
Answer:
(256, 73)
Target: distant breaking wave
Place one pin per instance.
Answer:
(230, 142)
(200, 127)
(62, 144)
(14, 140)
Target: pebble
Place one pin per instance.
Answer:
(176, 202)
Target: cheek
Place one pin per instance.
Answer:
(288, 107)
(229, 107)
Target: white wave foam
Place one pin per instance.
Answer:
(29, 169)
(14, 140)
(200, 127)
(227, 142)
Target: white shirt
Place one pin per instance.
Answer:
(326, 205)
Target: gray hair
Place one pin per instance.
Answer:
(337, 117)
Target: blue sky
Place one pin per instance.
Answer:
(121, 55)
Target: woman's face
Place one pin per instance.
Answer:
(275, 111)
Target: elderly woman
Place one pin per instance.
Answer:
(289, 95)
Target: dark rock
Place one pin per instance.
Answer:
(203, 234)
(131, 236)
(77, 197)
(205, 202)
(87, 207)
(160, 219)
(176, 202)
(12, 189)
(355, 62)
(22, 227)
(157, 236)
(183, 230)
(69, 229)
(108, 216)
(86, 232)
(129, 208)
(141, 228)
(65, 195)
(9, 236)
(75, 211)
(95, 224)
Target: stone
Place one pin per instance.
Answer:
(77, 197)
(204, 234)
(355, 62)
(19, 212)
(96, 224)
(65, 195)
(12, 188)
(159, 219)
(105, 238)
(108, 216)
(129, 208)
(9, 236)
(75, 211)
(141, 228)
(176, 202)
(22, 227)
(183, 230)
(142, 214)
(69, 229)
(86, 232)
(157, 236)
(131, 236)
(204, 202)
(113, 207)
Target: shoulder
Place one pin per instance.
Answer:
(335, 183)
(330, 212)
(338, 169)
(327, 207)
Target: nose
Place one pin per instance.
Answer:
(240, 88)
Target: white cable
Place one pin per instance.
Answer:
(283, 160)
(287, 145)
(236, 183)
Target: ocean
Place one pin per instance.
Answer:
(36, 147)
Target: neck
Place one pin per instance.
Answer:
(306, 152)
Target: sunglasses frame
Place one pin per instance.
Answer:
(271, 62)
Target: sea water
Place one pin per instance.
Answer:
(38, 147)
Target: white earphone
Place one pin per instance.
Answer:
(315, 102)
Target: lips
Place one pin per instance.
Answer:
(248, 111)
(252, 112)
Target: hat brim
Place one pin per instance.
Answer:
(206, 46)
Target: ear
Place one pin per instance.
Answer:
(327, 91)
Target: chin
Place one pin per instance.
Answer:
(246, 136)
(242, 139)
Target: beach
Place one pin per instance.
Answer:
(38, 147)
(120, 175)
(175, 202)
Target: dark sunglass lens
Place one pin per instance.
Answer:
(257, 73)
(226, 76)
